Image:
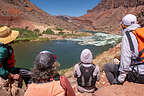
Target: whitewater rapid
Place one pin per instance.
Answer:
(98, 39)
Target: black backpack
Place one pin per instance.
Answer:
(87, 79)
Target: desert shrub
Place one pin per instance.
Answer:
(26, 34)
(60, 29)
(1, 25)
(36, 31)
(48, 31)
(61, 33)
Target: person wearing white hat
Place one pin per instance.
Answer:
(86, 72)
(126, 71)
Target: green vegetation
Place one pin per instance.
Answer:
(61, 33)
(1, 25)
(48, 31)
(43, 39)
(37, 30)
(73, 35)
(26, 35)
(27, 27)
(59, 29)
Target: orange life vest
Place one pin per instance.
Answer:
(139, 33)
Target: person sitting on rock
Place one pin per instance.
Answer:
(7, 58)
(131, 67)
(86, 72)
(9, 74)
(46, 80)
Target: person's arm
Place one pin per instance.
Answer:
(67, 86)
(125, 60)
(96, 73)
(3, 73)
(77, 72)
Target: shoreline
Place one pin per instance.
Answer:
(50, 37)
(44, 37)
(99, 60)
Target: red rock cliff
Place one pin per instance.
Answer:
(106, 16)
(22, 13)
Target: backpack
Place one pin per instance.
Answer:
(7, 54)
(139, 33)
(86, 79)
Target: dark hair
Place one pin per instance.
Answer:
(45, 75)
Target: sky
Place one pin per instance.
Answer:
(66, 7)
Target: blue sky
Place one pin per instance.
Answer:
(66, 7)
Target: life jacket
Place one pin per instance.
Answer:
(11, 57)
(9, 62)
(139, 33)
(86, 79)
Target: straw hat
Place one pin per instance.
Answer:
(7, 35)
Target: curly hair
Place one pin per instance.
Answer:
(45, 74)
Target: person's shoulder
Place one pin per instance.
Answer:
(77, 65)
(96, 66)
(3, 49)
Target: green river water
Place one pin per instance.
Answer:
(67, 51)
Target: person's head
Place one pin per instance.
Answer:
(86, 56)
(7, 35)
(128, 20)
(45, 67)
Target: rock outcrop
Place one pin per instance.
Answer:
(112, 4)
(22, 13)
(106, 16)
(104, 88)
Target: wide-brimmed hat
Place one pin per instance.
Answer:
(7, 35)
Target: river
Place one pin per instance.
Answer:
(67, 51)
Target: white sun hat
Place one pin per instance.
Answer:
(129, 19)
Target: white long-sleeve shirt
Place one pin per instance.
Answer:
(127, 54)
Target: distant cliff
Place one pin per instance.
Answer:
(22, 13)
(106, 16)
(111, 4)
